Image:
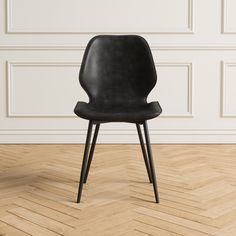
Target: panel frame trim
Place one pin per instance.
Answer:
(189, 30)
(223, 113)
(10, 65)
(190, 95)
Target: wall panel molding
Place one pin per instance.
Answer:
(157, 136)
(118, 131)
(189, 110)
(153, 48)
(10, 91)
(224, 66)
(225, 29)
(10, 28)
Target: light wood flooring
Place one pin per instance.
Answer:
(38, 188)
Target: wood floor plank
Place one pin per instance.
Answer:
(177, 220)
(49, 204)
(26, 226)
(169, 226)
(6, 229)
(43, 221)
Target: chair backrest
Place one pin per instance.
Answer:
(117, 70)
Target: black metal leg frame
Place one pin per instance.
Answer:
(89, 151)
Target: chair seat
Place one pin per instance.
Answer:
(127, 113)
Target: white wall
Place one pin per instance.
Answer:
(42, 43)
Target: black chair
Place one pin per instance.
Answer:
(117, 73)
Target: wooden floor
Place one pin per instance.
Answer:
(38, 188)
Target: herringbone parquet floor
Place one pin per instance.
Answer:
(38, 188)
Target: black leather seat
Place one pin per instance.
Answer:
(125, 113)
(117, 73)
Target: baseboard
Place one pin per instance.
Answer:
(117, 136)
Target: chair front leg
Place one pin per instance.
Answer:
(91, 151)
(149, 150)
(85, 160)
(144, 152)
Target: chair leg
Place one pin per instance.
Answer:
(149, 150)
(91, 151)
(85, 160)
(144, 152)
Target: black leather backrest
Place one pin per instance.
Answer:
(117, 70)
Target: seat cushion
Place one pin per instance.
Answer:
(124, 113)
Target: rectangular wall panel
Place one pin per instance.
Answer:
(111, 16)
(43, 89)
(229, 89)
(228, 16)
(174, 89)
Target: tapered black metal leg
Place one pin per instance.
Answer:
(85, 160)
(91, 151)
(149, 151)
(144, 152)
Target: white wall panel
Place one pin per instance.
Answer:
(78, 16)
(228, 16)
(174, 89)
(42, 89)
(228, 89)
